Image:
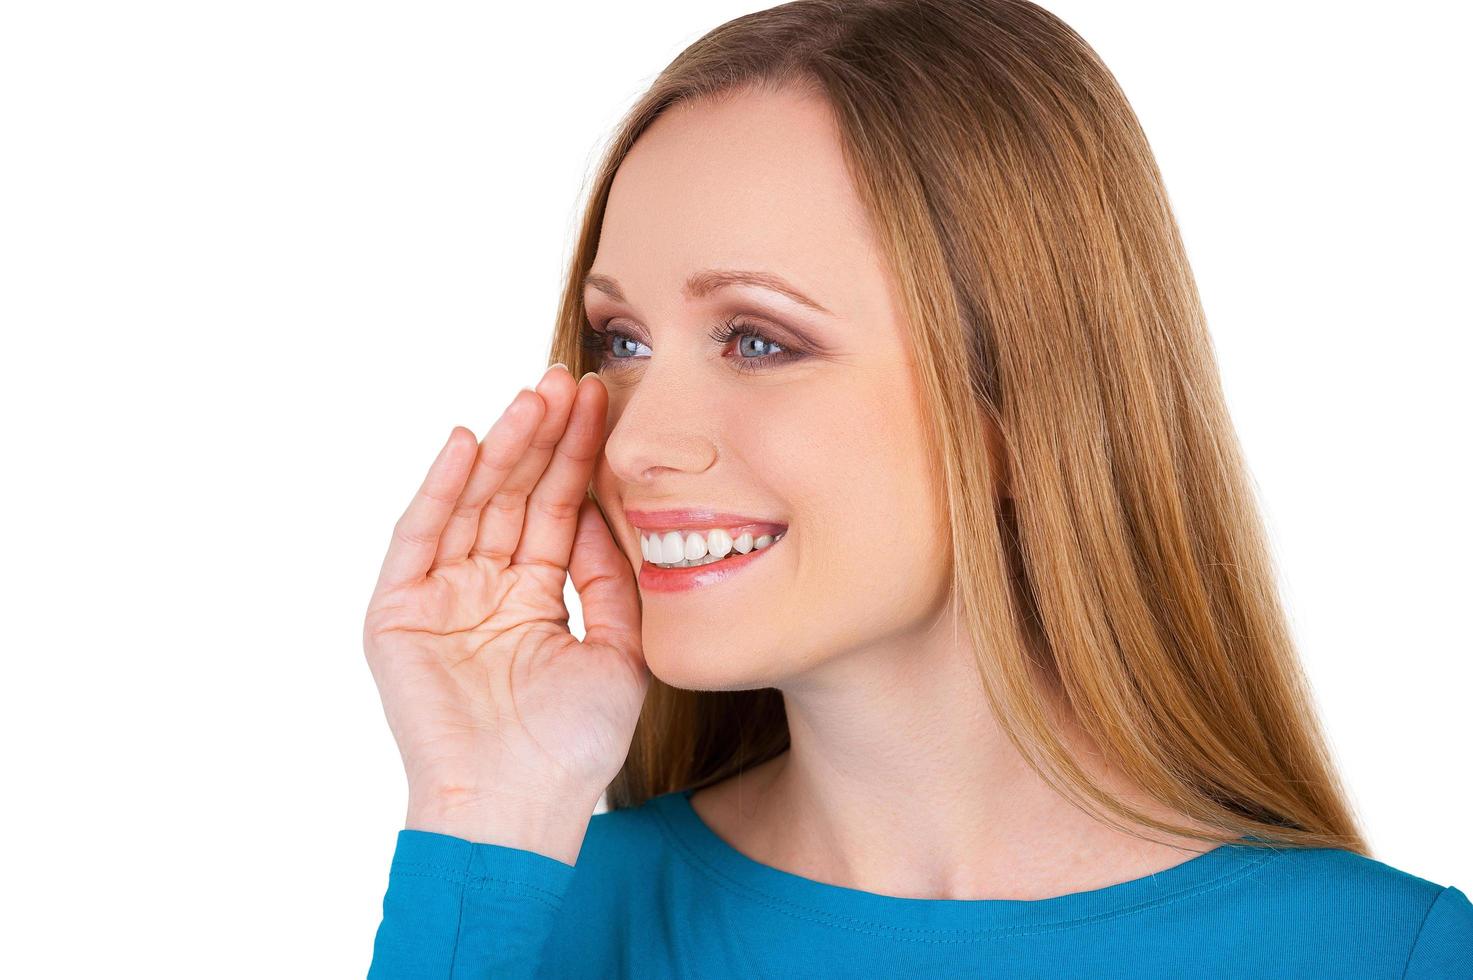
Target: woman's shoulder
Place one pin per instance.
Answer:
(1328, 877)
(1332, 892)
(1346, 871)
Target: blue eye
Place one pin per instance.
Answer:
(609, 347)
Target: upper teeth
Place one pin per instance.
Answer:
(699, 547)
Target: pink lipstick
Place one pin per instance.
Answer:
(653, 578)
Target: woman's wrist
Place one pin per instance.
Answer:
(554, 829)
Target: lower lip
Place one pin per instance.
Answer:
(653, 578)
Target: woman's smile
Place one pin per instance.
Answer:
(710, 569)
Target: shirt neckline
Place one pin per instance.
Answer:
(905, 917)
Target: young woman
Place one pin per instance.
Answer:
(930, 624)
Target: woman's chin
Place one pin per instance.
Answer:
(696, 664)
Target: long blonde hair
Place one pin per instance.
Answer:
(1049, 297)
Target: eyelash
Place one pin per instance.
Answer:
(595, 342)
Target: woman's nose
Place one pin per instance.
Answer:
(661, 424)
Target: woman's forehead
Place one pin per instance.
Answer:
(758, 182)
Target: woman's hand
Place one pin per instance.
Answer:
(510, 727)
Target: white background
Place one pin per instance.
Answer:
(257, 259)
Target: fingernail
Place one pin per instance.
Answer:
(590, 374)
(560, 364)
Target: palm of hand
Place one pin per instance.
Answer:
(489, 695)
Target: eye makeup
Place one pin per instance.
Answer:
(600, 343)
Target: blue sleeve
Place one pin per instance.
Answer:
(457, 909)
(1444, 946)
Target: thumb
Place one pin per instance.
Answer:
(605, 584)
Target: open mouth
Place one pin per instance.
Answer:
(704, 570)
(716, 548)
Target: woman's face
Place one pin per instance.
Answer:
(804, 418)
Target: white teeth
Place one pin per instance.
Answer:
(675, 549)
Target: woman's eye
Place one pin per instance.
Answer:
(624, 347)
(754, 351)
(761, 348)
(603, 345)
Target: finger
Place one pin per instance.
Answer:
(499, 525)
(417, 532)
(605, 582)
(503, 448)
(552, 509)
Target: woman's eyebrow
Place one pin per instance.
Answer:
(709, 280)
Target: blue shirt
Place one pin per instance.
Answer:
(656, 893)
